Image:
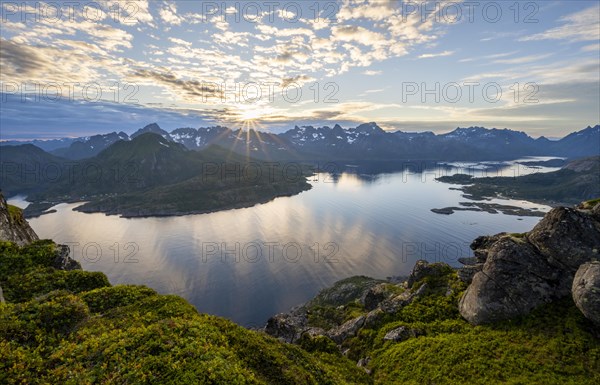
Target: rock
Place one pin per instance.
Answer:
(567, 237)
(596, 211)
(363, 362)
(286, 327)
(514, 280)
(424, 269)
(63, 261)
(13, 226)
(481, 245)
(470, 261)
(521, 273)
(314, 332)
(346, 330)
(344, 292)
(396, 303)
(400, 334)
(466, 273)
(375, 295)
(373, 317)
(586, 290)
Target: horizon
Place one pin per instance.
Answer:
(405, 65)
(330, 125)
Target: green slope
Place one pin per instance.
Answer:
(78, 329)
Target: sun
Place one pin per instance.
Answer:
(251, 116)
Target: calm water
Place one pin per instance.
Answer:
(248, 264)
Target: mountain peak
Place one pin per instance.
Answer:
(369, 127)
(154, 128)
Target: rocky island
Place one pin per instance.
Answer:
(576, 181)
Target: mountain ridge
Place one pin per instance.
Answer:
(367, 141)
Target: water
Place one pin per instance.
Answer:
(280, 254)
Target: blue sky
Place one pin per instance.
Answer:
(413, 66)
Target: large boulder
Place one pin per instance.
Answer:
(567, 237)
(514, 280)
(586, 290)
(523, 271)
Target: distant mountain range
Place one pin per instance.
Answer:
(364, 142)
(145, 176)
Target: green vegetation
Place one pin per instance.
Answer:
(150, 176)
(16, 214)
(72, 327)
(553, 345)
(591, 203)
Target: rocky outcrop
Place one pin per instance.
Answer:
(424, 269)
(401, 333)
(346, 330)
(377, 298)
(13, 226)
(63, 261)
(586, 290)
(374, 296)
(287, 327)
(512, 274)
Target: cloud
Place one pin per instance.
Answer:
(299, 80)
(169, 14)
(179, 42)
(523, 59)
(579, 26)
(193, 90)
(372, 73)
(591, 48)
(438, 54)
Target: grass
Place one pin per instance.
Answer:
(16, 214)
(72, 327)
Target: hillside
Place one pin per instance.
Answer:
(62, 325)
(152, 176)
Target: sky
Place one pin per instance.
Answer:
(75, 68)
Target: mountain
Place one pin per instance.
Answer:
(497, 143)
(153, 128)
(364, 143)
(260, 145)
(152, 176)
(580, 143)
(46, 145)
(89, 146)
(26, 168)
